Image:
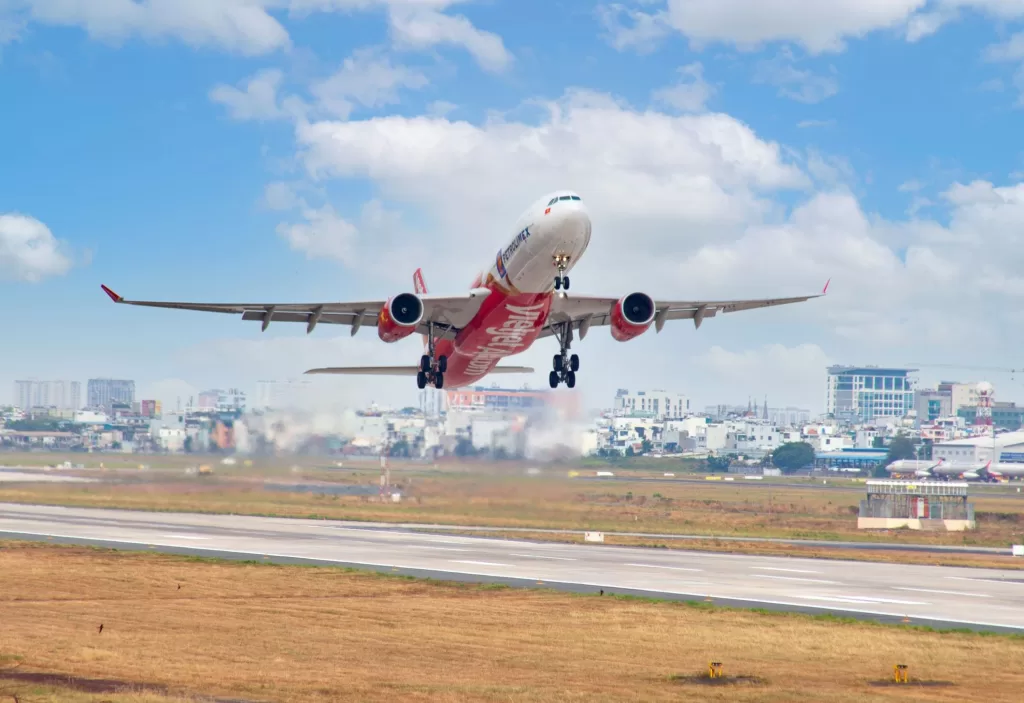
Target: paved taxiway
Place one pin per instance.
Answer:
(946, 596)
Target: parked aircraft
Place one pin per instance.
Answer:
(522, 297)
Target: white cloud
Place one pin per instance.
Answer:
(323, 234)
(249, 27)
(28, 250)
(368, 78)
(677, 178)
(415, 25)
(690, 93)
(800, 85)
(911, 186)
(256, 100)
(642, 35)
(242, 26)
(817, 26)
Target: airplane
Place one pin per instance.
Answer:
(522, 297)
(940, 469)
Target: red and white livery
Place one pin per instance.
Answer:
(522, 297)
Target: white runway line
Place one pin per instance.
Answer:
(948, 593)
(795, 578)
(862, 600)
(430, 546)
(478, 563)
(967, 578)
(794, 571)
(538, 556)
(659, 566)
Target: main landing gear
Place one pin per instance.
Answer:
(431, 371)
(561, 263)
(564, 365)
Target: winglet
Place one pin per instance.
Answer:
(418, 284)
(825, 289)
(113, 296)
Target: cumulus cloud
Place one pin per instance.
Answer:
(368, 78)
(28, 250)
(242, 26)
(816, 26)
(252, 27)
(321, 234)
(628, 28)
(678, 178)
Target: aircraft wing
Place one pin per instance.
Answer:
(585, 312)
(448, 313)
(401, 370)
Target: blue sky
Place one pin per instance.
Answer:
(833, 143)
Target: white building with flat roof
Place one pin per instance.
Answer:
(657, 404)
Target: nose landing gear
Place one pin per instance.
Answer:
(564, 365)
(431, 371)
(561, 263)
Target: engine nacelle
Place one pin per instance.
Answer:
(632, 316)
(399, 317)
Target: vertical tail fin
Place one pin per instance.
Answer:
(417, 281)
(420, 288)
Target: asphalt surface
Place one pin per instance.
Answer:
(980, 599)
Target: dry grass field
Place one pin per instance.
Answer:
(201, 630)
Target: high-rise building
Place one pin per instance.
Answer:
(864, 393)
(62, 395)
(104, 392)
(231, 400)
(657, 404)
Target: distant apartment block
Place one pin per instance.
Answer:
(657, 404)
(865, 393)
(104, 392)
(63, 395)
(217, 400)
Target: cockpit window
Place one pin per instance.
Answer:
(565, 197)
(574, 197)
(552, 202)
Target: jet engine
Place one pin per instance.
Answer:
(399, 316)
(632, 316)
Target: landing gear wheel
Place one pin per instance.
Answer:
(553, 379)
(421, 380)
(424, 364)
(442, 364)
(558, 364)
(574, 363)
(558, 282)
(439, 380)
(565, 282)
(570, 379)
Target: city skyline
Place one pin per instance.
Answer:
(274, 154)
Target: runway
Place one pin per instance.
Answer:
(980, 599)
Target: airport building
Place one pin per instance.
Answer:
(1009, 445)
(496, 399)
(862, 394)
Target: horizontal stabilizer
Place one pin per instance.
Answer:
(400, 370)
